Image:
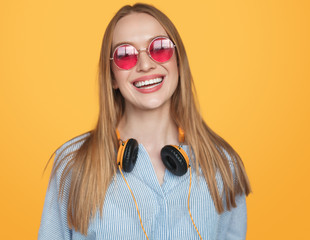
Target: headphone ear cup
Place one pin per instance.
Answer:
(174, 160)
(130, 155)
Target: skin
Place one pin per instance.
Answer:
(147, 116)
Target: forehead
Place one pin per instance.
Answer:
(137, 28)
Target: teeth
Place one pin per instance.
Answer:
(148, 82)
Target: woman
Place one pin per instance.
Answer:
(131, 177)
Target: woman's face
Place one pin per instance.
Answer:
(139, 29)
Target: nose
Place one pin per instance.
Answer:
(145, 63)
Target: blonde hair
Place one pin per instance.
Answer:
(92, 166)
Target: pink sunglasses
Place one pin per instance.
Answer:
(160, 49)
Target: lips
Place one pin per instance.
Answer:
(149, 84)
(149, 77)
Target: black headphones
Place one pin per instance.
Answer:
(174, 157)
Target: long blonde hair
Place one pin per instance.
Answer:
(92, 166)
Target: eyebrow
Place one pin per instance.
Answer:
(131, 43)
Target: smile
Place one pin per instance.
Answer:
(148, 83)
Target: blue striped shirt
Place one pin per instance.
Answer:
(163, 208)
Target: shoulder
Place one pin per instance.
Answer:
(229, 158)
(65, 153)
(71, 146)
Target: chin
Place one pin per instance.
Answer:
(153, 105)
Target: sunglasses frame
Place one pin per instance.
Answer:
(147, 50)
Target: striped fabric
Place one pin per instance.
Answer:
(163, 208)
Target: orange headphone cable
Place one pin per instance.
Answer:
(189, 193)
(134, 201)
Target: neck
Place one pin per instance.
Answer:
(152, 128)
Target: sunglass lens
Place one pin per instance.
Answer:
(161, 49)
(125, 56)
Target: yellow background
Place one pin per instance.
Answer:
(250, 62)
